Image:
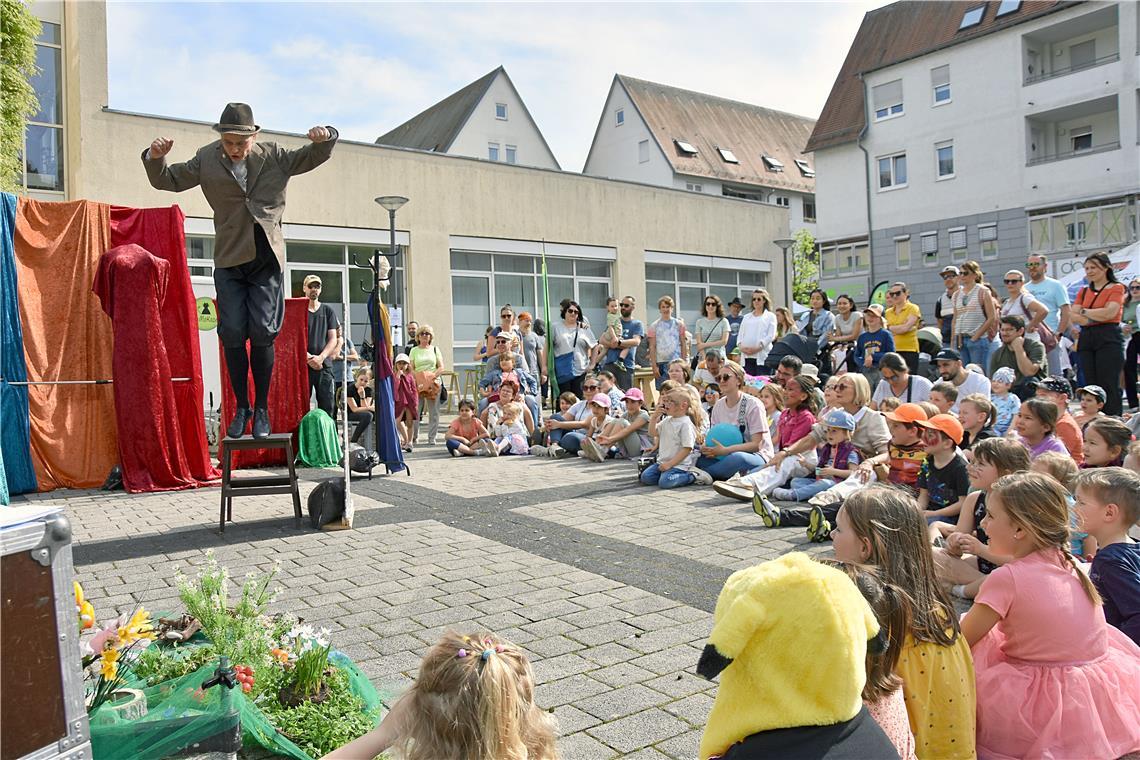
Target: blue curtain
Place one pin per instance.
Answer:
(391, 455)
(16, 472)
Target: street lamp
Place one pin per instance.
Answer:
(391, 203)
(784, 244)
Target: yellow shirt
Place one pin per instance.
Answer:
(938, 686)
(907, 341)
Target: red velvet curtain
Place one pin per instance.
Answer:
(161, 231)
(288, 391)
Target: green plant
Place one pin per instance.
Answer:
(239, 631)
(163, 663)
(317, 727)
(805, 267)
(309, 653)
(18, 32)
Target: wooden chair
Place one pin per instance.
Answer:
(643, 379)
(256, 485)
(471, 378)
(450, 381)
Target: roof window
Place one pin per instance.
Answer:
(772, 164)
(804, 167)
(972, 17)
(728, 155)
(685, 147)
(1007, 6)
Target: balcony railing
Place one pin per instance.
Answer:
(1034, 78)
(1103, 148)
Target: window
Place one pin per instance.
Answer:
(685, 147)
(512, 154)
(1075, 232)
(772, 164)
(940, 82)
(694, 187)
(987, 235)
(1082, 55)
(619, 116)
(805, 168)
(1007, 6)
(782, 200)
(688, 286)
(957, 243)
(888, 99)
(501, 111)
(643, 152)
(43, 138)
(902, 251)
(728, 156)
(972, 17)
(493, 151)
(892, 171)
(1081, 138)
(844, 258)
(944, 158)
(809, 210)
(929, 242)
(738, 192)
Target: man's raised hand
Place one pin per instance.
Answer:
(319, 134)
(160, 147)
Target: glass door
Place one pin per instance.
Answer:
(332, 281)
(471, 315)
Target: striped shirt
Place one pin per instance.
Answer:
(969, 310)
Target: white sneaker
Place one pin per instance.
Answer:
(492, 448)
(700, 477)
(783, 494)
(557, 452)
(593, 450)
(538, 451)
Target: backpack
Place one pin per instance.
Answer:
(326, 502)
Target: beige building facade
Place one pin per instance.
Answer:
(471, 235)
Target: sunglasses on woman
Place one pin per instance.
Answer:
(726, 376)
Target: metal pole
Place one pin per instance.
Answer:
(376, 324)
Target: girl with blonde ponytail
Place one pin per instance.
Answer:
(473, 700)
(1053, 679)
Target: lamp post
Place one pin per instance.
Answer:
(784, 244)
(391, 203)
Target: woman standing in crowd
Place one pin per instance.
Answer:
(785, 325)
(1132, 352)
(903, 319)
(666, 340)
(747, 413)
(1021, 302)
(712, 329)
(974, 317)
(1097, 310)
(427, 363)
(757, 332)
(571, 340)
(847, 329)
(817, 322)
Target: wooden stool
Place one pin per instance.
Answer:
(451, 381)
(471, 378)
(256, 485)
(643, 379)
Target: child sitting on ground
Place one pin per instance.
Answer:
(882, 527)
(1108, 503)
(836, 460)
(1005, 403)
(1064, 470)
(966, 559)
(772, 397)
(943, 395)
(1092, 399)
(473, 698)
(977, 415)
(466, 435)
(1033, 614)
(710, 395)
(942, 482)
(889, 404)
(597, 421)
(1106, 441)
(510, 433)
(676, 435)
(1132, 461)
(628, 436)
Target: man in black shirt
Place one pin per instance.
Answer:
(323, 326)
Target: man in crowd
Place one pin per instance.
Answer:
(323, 329)
(708, 374)
(413, 328)
(944, 306)
(1025, 356)
(950, 367)
(1053, 295)
(244, 182)
(735, 317)
(788, 368)
(632, 331)
(1056, 389)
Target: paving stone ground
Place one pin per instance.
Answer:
(607, 584)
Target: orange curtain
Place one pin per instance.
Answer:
(67, 336)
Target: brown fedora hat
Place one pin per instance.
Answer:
(237, 119)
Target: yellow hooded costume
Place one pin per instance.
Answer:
(789, 639)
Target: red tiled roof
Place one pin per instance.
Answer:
(707, 122)
(895, 33)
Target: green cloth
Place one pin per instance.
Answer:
(318, 445)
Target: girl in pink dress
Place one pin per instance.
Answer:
(1053, 679)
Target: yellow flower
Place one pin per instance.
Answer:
(109, 664)
(138, 628)
(83, 609)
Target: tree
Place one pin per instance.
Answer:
(18, 32)
(805, 267)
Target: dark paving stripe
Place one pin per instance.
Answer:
(688, 581)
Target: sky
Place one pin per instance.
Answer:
(366, 67)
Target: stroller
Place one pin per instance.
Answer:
(803, 347)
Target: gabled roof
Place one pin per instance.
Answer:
(709, 123)
(896, 33)
(436, 128)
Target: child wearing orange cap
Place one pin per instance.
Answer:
(942, 481)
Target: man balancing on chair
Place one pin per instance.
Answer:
(244, 182)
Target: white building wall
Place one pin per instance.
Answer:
(518, 130)
(616, 153)
(840, 193)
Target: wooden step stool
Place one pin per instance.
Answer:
(256, 485)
